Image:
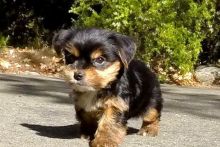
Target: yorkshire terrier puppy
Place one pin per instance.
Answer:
(108, 85)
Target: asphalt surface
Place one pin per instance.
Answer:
(36, 111)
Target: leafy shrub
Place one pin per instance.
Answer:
(3, 41)
(168, 32)
(32, 22)
(26, 29)
(211, 44)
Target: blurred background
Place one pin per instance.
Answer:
(178, 39)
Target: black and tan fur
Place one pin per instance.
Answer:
(109, 86)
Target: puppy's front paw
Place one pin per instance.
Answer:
(149, 131)
(83, 136)
(99, 142)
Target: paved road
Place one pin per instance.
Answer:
(37, 112)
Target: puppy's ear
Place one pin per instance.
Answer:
(126, 48)
(61, 38)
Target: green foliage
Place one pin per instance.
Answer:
(33, 22)
(3, 41)
(27, 29)
(211, 44)
(168, 32)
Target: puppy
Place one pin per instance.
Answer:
(109, 86)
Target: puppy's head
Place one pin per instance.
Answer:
(93, 57)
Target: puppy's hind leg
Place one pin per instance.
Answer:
(150, 125)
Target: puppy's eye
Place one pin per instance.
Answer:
(100, 60)
(69, 58)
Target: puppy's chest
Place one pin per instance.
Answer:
(88, 102)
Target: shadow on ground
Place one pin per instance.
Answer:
(204, 103)
(40, 87)
(62, 132)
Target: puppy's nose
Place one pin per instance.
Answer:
(78, 75)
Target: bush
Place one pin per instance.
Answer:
(3, 41)
(211, 44)
(32, 22)
(168, 32)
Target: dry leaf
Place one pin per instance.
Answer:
(5, 64)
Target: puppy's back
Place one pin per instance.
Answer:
(145, 88)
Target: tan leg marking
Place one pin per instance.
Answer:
(150, 124)
(110, 132)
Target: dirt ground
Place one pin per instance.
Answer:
(30, 62)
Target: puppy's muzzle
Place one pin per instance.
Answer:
(78, 75)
